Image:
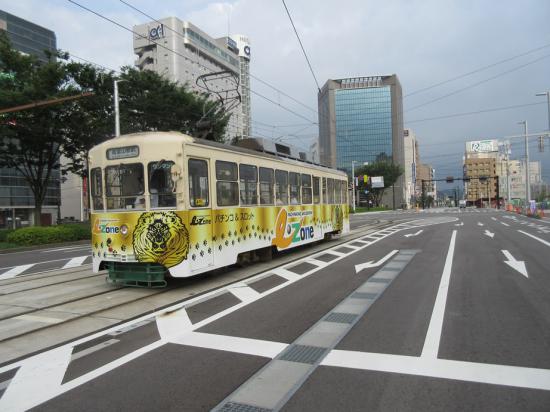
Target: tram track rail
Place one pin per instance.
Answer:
(45, 326)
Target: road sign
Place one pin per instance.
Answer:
(377, 182)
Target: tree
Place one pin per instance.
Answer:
(32, 140)
(386, 169)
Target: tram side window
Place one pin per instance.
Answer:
(325, 198)
(198, 183)
(316, 197)
(330, 191)
(294, 184)
(227, 184)
(344, 191)
(281, 187)
(267, 180)
(337, 192)
(161, 184)
(97, 188)
(124, 186)
(306, 189)
(249, 184)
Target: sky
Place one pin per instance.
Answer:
(424, 42)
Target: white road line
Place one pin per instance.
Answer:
(75, 262)
(505, 224)
(433, 336)
(173, 324)
(287, 274)
(243, 292)
(441, 368)
(246, 346)
(316, 262)
(17, 270)
(66, 249)
(93, 349)
(534, 237)
(494, 218)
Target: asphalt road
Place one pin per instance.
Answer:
(446, 310)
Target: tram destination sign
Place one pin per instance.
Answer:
(122, 152)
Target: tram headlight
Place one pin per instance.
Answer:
(124, 230)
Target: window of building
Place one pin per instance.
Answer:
(294, 185)
(161, 184)
(267, 180)
(124, 186)
(227, 183)
(316, 196)
(281, 187)
(249, 184)
(306, 189)
(97, 188)
(198, 183)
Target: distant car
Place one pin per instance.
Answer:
(462, 204)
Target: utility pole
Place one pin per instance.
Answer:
(527, 177)
(353, 184)
(117, 111)
(547, 94)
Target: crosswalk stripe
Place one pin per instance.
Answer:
(13, 272)
(74, 262)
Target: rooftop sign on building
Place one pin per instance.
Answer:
(482, 146)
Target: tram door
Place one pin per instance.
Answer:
(201, 254)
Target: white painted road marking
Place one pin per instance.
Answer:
(414, 234)
(479, 224)
(505, 224)
(433, 336)
(75, 262)
(487, 233)
(441, 368)
(459, 224)
(371, 264)
(17, 270)
(536, 238)
(494, 218)
(518, 265)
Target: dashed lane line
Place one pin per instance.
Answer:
(544, 242)
(13, 272)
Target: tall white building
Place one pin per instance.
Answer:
(188, 53)
(410, 152)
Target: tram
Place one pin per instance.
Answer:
(167, 204)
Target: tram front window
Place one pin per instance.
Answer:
(161, 184)
(124, 186)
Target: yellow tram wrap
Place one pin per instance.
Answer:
(165, 203)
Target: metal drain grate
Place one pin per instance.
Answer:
(303, 354)
(341, 317)
(364, 295)
(241, 407)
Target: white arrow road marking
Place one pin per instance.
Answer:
(414, 234)
(487, 233)
(371, 264)
(479, 224)
(459, 224)
(534, 237)
(518, 265)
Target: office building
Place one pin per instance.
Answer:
(361, 120)
(182, 53)
(482, 172)
(16, 197)
(517, 180)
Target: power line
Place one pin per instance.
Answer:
(477, 70)
(178, 54)
(302, 46)
(448, 116)
(477, 83)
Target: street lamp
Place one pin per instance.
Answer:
(353, 185)
(117, 111)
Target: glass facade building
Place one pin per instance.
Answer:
(361, 120)
(363, 126)
(16, 197)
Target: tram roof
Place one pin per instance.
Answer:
(137, 138)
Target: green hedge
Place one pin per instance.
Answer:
(38, 235)
(4, 234)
